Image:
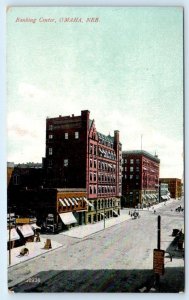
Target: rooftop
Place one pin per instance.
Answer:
(142, 152)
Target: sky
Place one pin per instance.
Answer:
(126, 69)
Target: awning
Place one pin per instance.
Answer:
(34, 226)
(75, 201)
(67, 202)
(87, 201)
(71, 201)
(26, 230)
(115, 212)
(61, 201)
(13, 235)
(164, 197)
(68, 218)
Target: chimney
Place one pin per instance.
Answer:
(116, 136)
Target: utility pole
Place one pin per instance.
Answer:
(158, 247)
(104, 219)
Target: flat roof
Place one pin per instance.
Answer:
(141, 152)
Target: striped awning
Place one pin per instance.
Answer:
(67, 202)
(62, 202)
(87, 201)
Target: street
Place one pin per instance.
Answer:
(117, 259)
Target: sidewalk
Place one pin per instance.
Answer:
(86, 230)
(35, 249)
(156, 206)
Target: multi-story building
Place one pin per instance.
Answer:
(140, 178)
(174, 186)
(78, 156)
(163, 192)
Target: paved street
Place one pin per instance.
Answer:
(117, 259)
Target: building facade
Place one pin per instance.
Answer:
(164, 194)
(174, 186)
(140, 178)
(78, 156)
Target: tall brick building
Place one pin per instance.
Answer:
(140, 178)
(78, 156)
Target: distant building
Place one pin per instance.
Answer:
(78, 156)
(174, 186)
(55, 209)
(21, 177)
(140, 178)
(164, 193)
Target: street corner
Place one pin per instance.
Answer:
(31, 250)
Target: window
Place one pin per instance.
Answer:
(76, 135)
(50, 151)
(94, 189)
(131, 169)
(50, 162)
(131, 176)
(91, 176)
(66, 135)
(50, 136)
(90, 190)
(65, 162)
(91, 149)
(50, 127)
(131, 161)
(137, 176)
(95, 164)
(94, 176)
(138, 161)
(91, 163)
(16, 179)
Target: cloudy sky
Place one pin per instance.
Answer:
(127, 69)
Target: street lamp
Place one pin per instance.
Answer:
(9, 211)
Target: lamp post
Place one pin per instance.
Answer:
(104, 219)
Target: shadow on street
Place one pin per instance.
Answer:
(111, 281)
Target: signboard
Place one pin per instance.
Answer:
(158, 261)
(22, 221)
